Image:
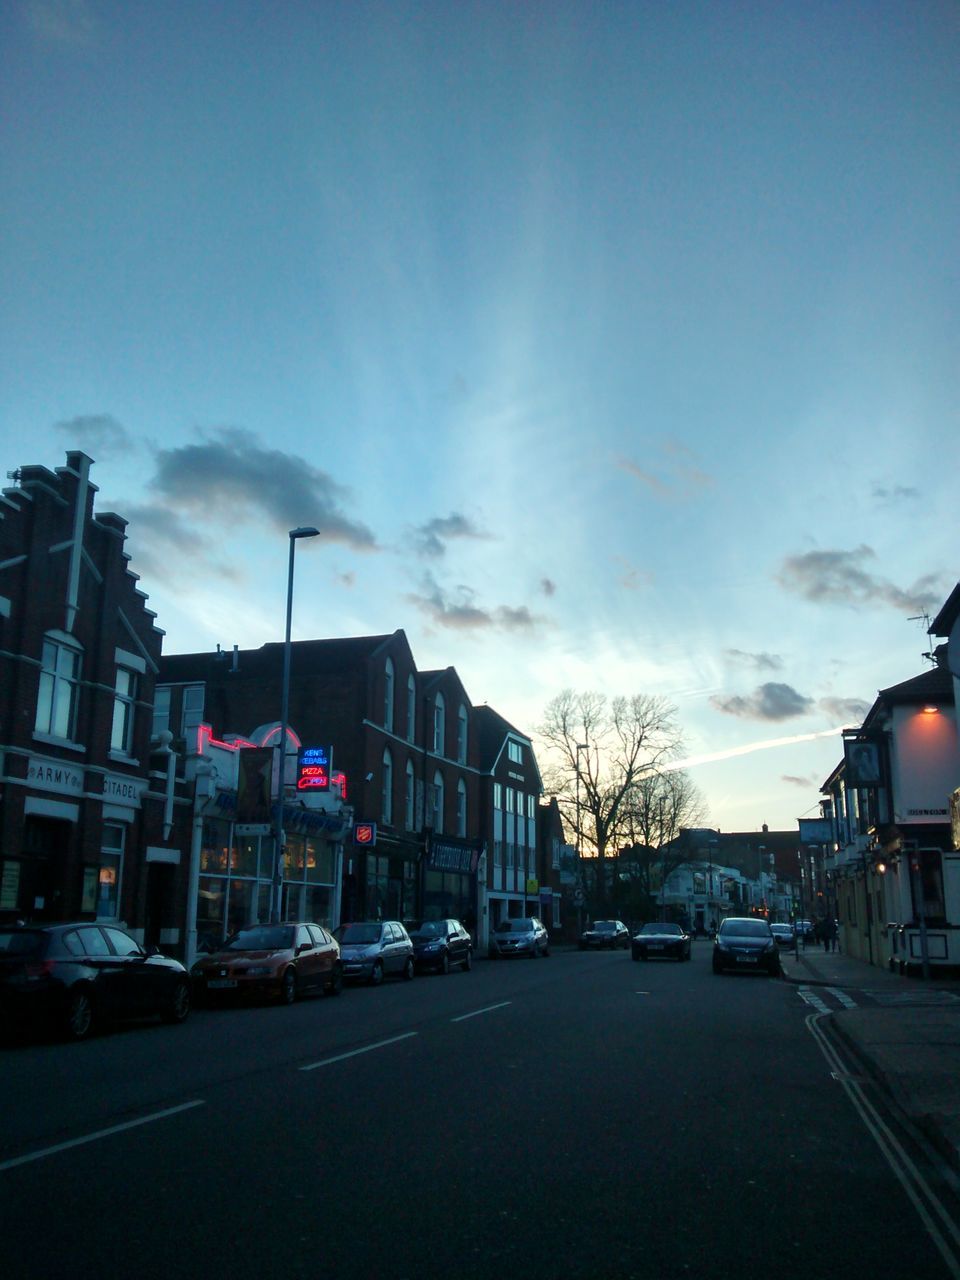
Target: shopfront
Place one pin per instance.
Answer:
(450, 880)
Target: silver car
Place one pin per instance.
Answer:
(375, 948)
(521, 936)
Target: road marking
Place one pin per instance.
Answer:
(842, 996)
(101, 1133)
(340, 1057)
(477, 1012)
(812, 999)
(918, 1190)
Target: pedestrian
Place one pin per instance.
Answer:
(829, 934)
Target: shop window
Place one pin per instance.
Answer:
(59, 685)
(124, 707)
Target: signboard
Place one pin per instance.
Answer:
(447, 853)
(314, 766)
(815, 830)
(54, 775)
(365, 833)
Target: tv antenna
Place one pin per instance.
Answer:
(925, 619)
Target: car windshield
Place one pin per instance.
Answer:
(18, 942)
(360, 934)
(266, 938)
(514, 926)
(661, 928)
(604, 926)
(431, 929)
(745, 929)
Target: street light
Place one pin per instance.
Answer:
(304, 532)
(580, 746)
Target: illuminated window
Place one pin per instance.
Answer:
(59, 686)
(124, 706)
(388, 695)
(386, 788)
(439, 713)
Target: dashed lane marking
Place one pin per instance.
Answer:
(369, 1048)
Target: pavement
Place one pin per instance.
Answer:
(905, 1036)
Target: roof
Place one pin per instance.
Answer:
(935, 685)
(942, 624)
(318, 655)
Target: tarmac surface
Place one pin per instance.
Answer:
(905, 1035)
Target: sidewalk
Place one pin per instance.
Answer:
(911, 1049)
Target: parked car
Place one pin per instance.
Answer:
(81, 976)
(605, 933)
(521, 936)
(438, 944)
(660, 940)
(372, 949)
(280, 960)
(783, 933)
(746, 944)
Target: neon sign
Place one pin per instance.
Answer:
(313, 768)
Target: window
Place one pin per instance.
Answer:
(59, 683)
(408, 795)
(388, 695)
(439, 712)
(436, 805)
(101, 885)
(531, 806)
(386, 788)
(498, 795)
(161, 710)
(510, 795)
(411, 708)
(515, 752)
(461, 808)
(122, 943)
(124, 706)
(498, 853)
(191, 715)
(462, 735)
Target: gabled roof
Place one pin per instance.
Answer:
(492, 731)
(935, 685)
(942, 624)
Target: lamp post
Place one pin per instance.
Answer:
(580, 746)
(275, 912)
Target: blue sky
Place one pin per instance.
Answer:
(611, 346)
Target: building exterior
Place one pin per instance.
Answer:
(80, 807)
(894, 852)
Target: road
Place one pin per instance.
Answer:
(583, 1116)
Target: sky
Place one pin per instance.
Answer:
(610, 346)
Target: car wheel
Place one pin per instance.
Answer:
(468, 961)
(79, 1022)
(335, 985)
(178, 1006)
(409, 970)
(376, 974)
(288, 987)
(445, 965)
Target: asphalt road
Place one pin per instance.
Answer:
(581, 1116)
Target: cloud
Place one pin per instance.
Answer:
(847, 711)
(160, 543)
(770, 701)
(228, 474)
(95, 433)
(839, 577)
(669, 472)
(548, 587)
(460, 613)
(755, 661)
(431, 539)
(806, 783)
(898, 493)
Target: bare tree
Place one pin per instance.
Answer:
(656, 810)
(595, 754)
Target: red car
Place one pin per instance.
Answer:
(281, 960)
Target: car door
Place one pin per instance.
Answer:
(108, 970)
(321, 956)
(142, 985)
(396, 949)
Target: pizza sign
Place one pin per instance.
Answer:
(313, 768)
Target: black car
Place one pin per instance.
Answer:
(78, 976)
(660, 940)
(439, 944)
(605, 933)
(747, 945)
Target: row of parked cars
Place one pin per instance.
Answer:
(77, 976)
(741, 943)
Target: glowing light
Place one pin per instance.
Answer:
(931, 711)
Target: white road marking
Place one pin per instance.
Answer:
(340, 1057)
(477, 1012)
(842, 996)
(812, 999)
(101, 1133)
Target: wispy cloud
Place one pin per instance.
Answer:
(430, 539)
(895, 495)
(844, 577)
(548, 587)
(849, 711)
(162, 544)
(805, 783)
(754, 661)
(98, 434)
(457, 611)
(670, 472)
(228, 473)
(771, 701)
